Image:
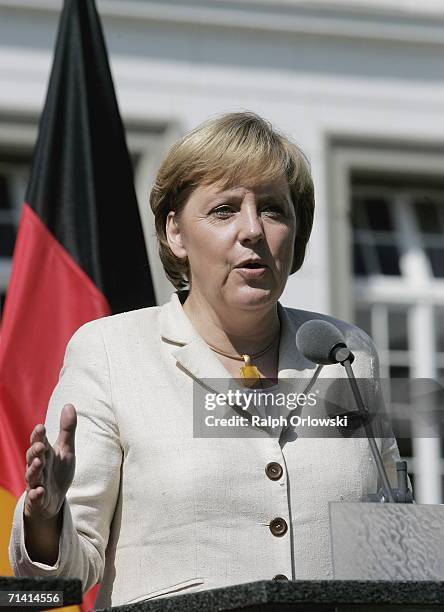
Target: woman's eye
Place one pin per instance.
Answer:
(225, 211)
(222, 211)
(274, 211)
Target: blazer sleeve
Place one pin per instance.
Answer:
(90, 502)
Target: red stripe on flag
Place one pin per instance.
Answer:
(49, 297)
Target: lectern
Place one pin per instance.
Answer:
(387, 557)
(306, 596)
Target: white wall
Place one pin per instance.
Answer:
(315, 69)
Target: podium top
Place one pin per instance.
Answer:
(323, 595)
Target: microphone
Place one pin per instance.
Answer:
(321, 342)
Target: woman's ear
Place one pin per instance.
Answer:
(174, 236)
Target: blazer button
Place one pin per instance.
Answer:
(278, 527)
(280, 577)
(274, 470)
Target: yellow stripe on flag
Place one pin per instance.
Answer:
(7, 507)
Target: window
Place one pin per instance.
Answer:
(397, 233)
(375, 245)
(14, 172)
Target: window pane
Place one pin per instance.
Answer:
(7, 239)
(436, 259)
(400, 418)
(359, 268)
(404, 439)
(2, 302)
(379, 214)
(397, 330)
(388, 257)
(399, 371)
(4, 194)
(363, 319)
(427, 216)
(439, 329)
(399, 386)
(358, 216)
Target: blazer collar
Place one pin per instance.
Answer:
(199, 360)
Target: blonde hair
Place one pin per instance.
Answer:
(230, 149)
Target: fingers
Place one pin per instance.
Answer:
(68, 424)
(36, 461)
(34, 474)
(38, 434)
(36, 494)
(34, 500)
(39, 444)
(36, 450)
(38, 454)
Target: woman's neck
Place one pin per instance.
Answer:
(233, 330)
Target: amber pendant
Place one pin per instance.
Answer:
(249, 373)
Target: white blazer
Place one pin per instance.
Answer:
(154, 511)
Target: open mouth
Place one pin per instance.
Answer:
(253, 270)
(253, 265)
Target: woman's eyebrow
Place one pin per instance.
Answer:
(226, 197)
(276, 197)
(232, 197)
(270, 196)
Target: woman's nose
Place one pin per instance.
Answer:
(251, 228)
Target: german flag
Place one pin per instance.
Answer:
(80, 252)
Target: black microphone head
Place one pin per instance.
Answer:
(316, 339)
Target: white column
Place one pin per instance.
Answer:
(416, 269)
(427, 451)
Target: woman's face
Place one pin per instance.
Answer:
(219, 230)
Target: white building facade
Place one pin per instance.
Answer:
(359, 85)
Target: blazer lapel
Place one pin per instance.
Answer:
(198, 361)
(192, 352)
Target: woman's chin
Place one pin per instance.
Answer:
(249, 296)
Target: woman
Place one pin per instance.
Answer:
(154, 510)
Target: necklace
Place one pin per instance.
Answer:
(248, 372)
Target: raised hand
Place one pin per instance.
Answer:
(50, 469)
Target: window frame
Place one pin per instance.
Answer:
(347, 156)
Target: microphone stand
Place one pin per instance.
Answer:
(341, 354)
